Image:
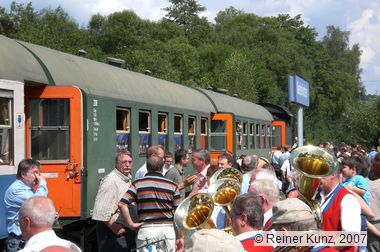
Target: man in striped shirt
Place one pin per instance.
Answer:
(156, 198)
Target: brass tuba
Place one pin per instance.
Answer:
(195, 213)
(196, 210)
(225, 185)
(227, 173)
(313, 163)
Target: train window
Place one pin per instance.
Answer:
(252, 135)
(162, 123)
(204, 133)
(239, 135)
(245, 136)
(191, 133)
(218, 135)
(50, 129)
(162, 130)
(258, 135)
(268, 136)
(6, 129)
(263, 139)
(276, 136)
(144, 132)
(178, 132)
(122, 128)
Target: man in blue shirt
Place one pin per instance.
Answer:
(28, 176)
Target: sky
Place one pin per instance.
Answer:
(360, 17)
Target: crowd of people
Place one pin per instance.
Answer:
(138, 214)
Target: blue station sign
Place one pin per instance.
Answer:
(298, 90)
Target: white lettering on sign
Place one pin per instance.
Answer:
(50, 175)
(301, 90)
(96, 124)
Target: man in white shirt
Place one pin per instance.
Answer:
(155, 150)
(168, 163)
(201, 162)
(36, 218)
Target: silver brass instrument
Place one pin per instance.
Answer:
(313, 163)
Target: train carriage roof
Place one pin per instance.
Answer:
(93, 77)
(22, 61)
(239, 107)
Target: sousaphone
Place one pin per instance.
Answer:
(313, 163)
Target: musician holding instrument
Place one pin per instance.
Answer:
(294, 215)
(340, 209)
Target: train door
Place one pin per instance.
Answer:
(278, 134)
(222, 135)
(12, 135)
(54, 137)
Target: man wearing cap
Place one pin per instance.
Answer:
(294, 215)
(340, 209)
(247, 218)
(215, 240)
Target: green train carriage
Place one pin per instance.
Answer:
(72, 114)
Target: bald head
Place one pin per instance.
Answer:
(40, 210)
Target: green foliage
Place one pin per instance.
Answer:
(238, 76)
(227, 14)
(251, 56)
(362, 121)
(183, 11)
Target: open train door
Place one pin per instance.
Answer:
(222, 135)
(54, 137)
(278, 134)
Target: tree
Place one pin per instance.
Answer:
(20, 17)
(227, 14)
(238, 77)
(184, 12)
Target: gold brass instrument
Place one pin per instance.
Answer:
(196, 210)
(194, 213)
(225, 185)
(230, 172)
(313, 163)
(224, 191)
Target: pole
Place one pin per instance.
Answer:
(300, 126)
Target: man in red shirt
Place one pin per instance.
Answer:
(247, 218)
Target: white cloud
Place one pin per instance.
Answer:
(365, 31)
